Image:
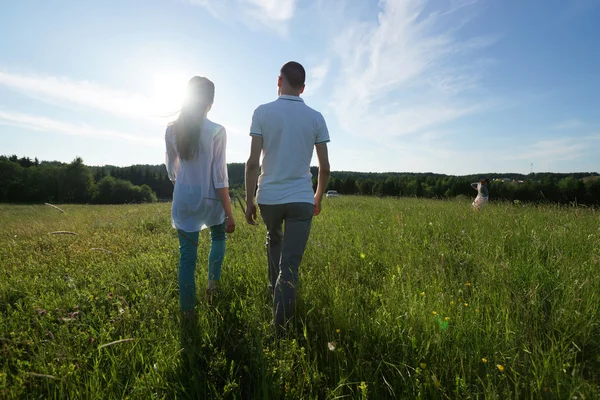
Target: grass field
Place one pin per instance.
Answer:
(398, 299)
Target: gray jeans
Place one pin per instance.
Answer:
(285, 248)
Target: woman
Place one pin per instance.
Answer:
(196, 165)
(482, 193)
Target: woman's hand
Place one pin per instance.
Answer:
(229, 224)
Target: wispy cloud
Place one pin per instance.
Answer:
(270, 14)
(569, 125)
(316, 76)
(274, 10)
(412, 53)
(67, 92)
(563, 149)
(44, 124)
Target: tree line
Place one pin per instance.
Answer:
(581, 188)
(23, 180)
(26, 180)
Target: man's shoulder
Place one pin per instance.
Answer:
(267, 106)
(316, 113)
(275, 106)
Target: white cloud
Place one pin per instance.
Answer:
(274, 10)
(43, 124)
(571, 124)
(66, 92)
(271, 14)
(316, 76)
(411, 53)
(563, 149)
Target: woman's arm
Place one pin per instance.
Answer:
(221, 179)
(474, 185)
(171, 158)
(224, 197)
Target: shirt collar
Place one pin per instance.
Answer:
(291, 98)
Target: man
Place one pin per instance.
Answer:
(285, 131)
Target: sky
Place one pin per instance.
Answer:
(446, 86)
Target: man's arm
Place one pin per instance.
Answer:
(251, 177)
(324, 171)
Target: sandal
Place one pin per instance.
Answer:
(211, 291)
(210, 294)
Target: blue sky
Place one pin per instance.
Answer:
(447, 86)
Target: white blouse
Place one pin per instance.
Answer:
(196, 204)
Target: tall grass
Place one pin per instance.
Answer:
(398, 299)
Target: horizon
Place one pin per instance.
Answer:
(487, 174)
(455, 86)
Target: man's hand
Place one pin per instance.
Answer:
(317, 209)
(251, 213)
(251, 178)
(229, 224)
(323, 178)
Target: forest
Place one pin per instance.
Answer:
(26, 180)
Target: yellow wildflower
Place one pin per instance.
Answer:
(337, 331)
(484, 360)
(500, 367)
(452, 303)
(447, 319)
(434, 312)
(422, 293)
(362, 255)
(423, 365)
(466, 304)
(468, 284)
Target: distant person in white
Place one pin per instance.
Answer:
(482, 194)
(285, 132)
(196, 164)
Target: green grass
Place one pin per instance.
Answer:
(398, 298)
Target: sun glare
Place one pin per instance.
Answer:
(168, 90)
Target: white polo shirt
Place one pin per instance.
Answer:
(290, 129)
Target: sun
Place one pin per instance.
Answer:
(168, 89)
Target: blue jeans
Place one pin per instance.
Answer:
(188, 255)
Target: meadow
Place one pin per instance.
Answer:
(398, 298)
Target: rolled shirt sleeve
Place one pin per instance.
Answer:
(171, 157)
(256, 126)
(220, 177)
(321, 131)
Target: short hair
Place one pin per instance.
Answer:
(294, 73)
